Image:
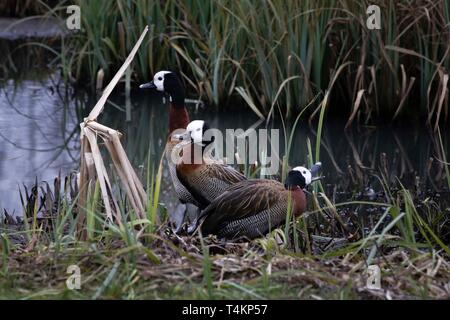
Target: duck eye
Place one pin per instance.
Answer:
(160, 78)
(304, 172)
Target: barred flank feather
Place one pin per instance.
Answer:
(250, 209)
(254, 226)
(207, 181)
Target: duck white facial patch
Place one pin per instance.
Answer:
(158, 80)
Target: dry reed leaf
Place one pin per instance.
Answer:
(355, 108)
(441, 99)
(127, 169)
(410, 52)
(98, 161)
(244, 94)
(98, 108)
(92, 165)
(404, 96)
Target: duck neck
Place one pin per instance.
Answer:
(178, 117)
(298, 199)
(193, 154)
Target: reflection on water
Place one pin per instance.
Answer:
(39, 138)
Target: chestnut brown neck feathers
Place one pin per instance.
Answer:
(178, 117)
(299, 201)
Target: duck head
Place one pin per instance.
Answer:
(169, 83)
(302, 177)
(298, 177)
(194, 133)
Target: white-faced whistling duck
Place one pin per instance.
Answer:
(252, 208)
(169, 83)
(206, 178)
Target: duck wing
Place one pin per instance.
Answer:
(245, 203)
(207, 182)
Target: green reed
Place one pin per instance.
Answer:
(249, 49)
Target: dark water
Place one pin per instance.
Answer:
(39, 138)
(31, 27)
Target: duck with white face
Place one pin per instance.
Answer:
(157, 82)
(205, 178)
(302, 173)
(252, 208)
(169, 83)
(194, 133)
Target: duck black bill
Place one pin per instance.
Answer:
(148, 85)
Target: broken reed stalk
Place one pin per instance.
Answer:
(92, 166)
